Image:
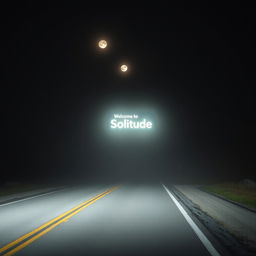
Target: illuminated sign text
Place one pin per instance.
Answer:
(129, 122)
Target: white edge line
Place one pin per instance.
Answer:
(198, 232)
(28, 198)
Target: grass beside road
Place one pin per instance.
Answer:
(14, 188)
(239, 193)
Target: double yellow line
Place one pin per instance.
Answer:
(30, 237)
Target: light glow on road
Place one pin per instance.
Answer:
(33, 235)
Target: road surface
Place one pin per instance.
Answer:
(124, 220)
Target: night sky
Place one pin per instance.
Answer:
(195, 67)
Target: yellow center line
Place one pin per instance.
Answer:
(68, 215)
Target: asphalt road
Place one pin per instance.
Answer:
(128, 220)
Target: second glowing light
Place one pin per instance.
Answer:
(103, 44)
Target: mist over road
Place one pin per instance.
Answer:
(98, 220)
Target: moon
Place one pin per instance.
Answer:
(124, 68)
(102, 44)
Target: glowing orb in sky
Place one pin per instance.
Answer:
(124, 68)
(102, 44)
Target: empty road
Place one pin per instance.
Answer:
(98, 220)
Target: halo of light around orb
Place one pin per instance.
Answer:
(124, 68)
(102, 44)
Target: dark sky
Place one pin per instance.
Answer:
(195, 67)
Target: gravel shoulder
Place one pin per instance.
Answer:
(4, 199)
(238, 221)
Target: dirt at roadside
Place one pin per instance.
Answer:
(228, 224)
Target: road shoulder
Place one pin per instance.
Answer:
(6, 199)
(192, 198)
